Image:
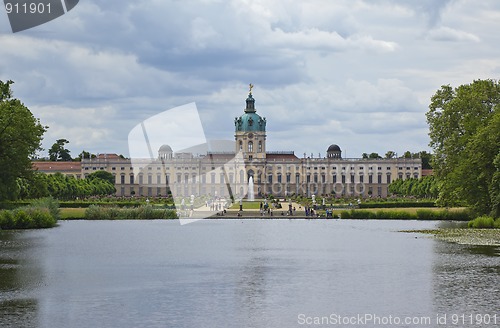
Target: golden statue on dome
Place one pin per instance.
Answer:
(251, 87)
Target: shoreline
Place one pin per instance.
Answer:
(461, 236)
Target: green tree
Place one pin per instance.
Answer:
(58, 153)
(390, 154)
(20, 137)
(84, 154)
(103, 175)
(407, 154)
(464, 126)
(426, 159)
(374, 155)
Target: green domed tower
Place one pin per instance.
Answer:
(250, 131)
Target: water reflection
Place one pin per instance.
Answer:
(20, 275)
(466, 279)
(236, 274)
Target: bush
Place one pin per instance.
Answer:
(146, 212)
(396, 204)
(483, 222)
(30, 217)
(7, 220)
(406, 215)
(50, 203)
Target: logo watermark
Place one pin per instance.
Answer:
(26, 14)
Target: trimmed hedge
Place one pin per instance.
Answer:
(84, 204)
(145, 212)
(396, 204)
(445, 215)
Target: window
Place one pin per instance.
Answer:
(370, 178)
(113, 168)
(158, 179)
(212, 178)
(379, 178)
(131, 179)
(288, 177)
(388, 178)
(150, 179)
(241, 145)
(334, 179)
(361, 179)
(250, 146)
(323, 178)
(260, 146)
(279, 177)
(343, 179)
(140, 179)
(308, 178)
(270, 178)
(122, 179)
(352, 178)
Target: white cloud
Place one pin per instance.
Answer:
(357, 73)
(449, 34)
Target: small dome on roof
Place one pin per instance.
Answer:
(165, 148)
(333, 147)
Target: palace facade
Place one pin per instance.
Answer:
(226, 173)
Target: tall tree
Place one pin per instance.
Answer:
(103, 175)
(464, 126)
(20, 137)
(58, 153)
(390, 154)
(374, 155)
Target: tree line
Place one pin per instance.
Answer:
(424, 155)
(62, 187)
(425, 187)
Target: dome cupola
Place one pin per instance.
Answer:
(334, 151)
(250, 121)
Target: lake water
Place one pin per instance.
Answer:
(251, 273)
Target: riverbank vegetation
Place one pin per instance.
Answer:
(146, 212)
(404, 214)
(41, 213)
(484, 222)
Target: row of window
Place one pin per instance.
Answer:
(186, 178)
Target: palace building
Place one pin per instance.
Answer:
(279, 173)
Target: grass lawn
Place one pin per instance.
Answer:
(72, 213)
(247, 205)
(411, 210)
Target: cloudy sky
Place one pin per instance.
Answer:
(356, 73)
